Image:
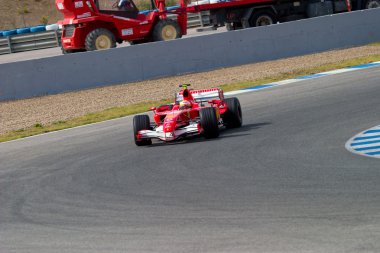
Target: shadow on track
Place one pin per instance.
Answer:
(224, 133)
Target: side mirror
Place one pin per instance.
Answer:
(152, 108)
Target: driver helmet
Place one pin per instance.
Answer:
(184, 104)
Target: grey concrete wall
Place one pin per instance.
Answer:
(196, 54)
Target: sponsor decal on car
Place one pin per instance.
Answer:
(168, 135)
(126, 32)
(84, 15)
(78, 4)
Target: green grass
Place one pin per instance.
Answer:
(117, 112)
(111, 113)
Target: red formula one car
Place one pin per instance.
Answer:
(194, 112)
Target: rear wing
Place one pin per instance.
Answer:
(202, 95)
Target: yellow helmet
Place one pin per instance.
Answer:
(184, 104)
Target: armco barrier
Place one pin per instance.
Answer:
(29, 41)
(195, 54)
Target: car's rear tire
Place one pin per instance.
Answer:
(99, 39)
(166, 30)
(233, 116)
(141, 122)
(209, 122)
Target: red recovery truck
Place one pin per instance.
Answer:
(93, 25)
(238, 14)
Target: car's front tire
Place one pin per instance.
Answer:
(141, 122)
(209, 122)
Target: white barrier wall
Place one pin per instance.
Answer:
(196, 54)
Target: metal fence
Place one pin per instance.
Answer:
(48, 39)
(29, 41)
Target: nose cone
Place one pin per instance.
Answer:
(170, 122)
(168, 127)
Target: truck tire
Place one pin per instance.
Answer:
(372, 4)
(166, 30)
(141, 122)
(262, 18)
(99, 39)
(233, 117)
(209, 122)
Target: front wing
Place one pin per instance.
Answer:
(158, 132)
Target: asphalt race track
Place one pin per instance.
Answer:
(284, 182)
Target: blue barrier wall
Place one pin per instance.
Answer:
(127, 64)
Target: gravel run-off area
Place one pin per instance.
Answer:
(24, 113)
